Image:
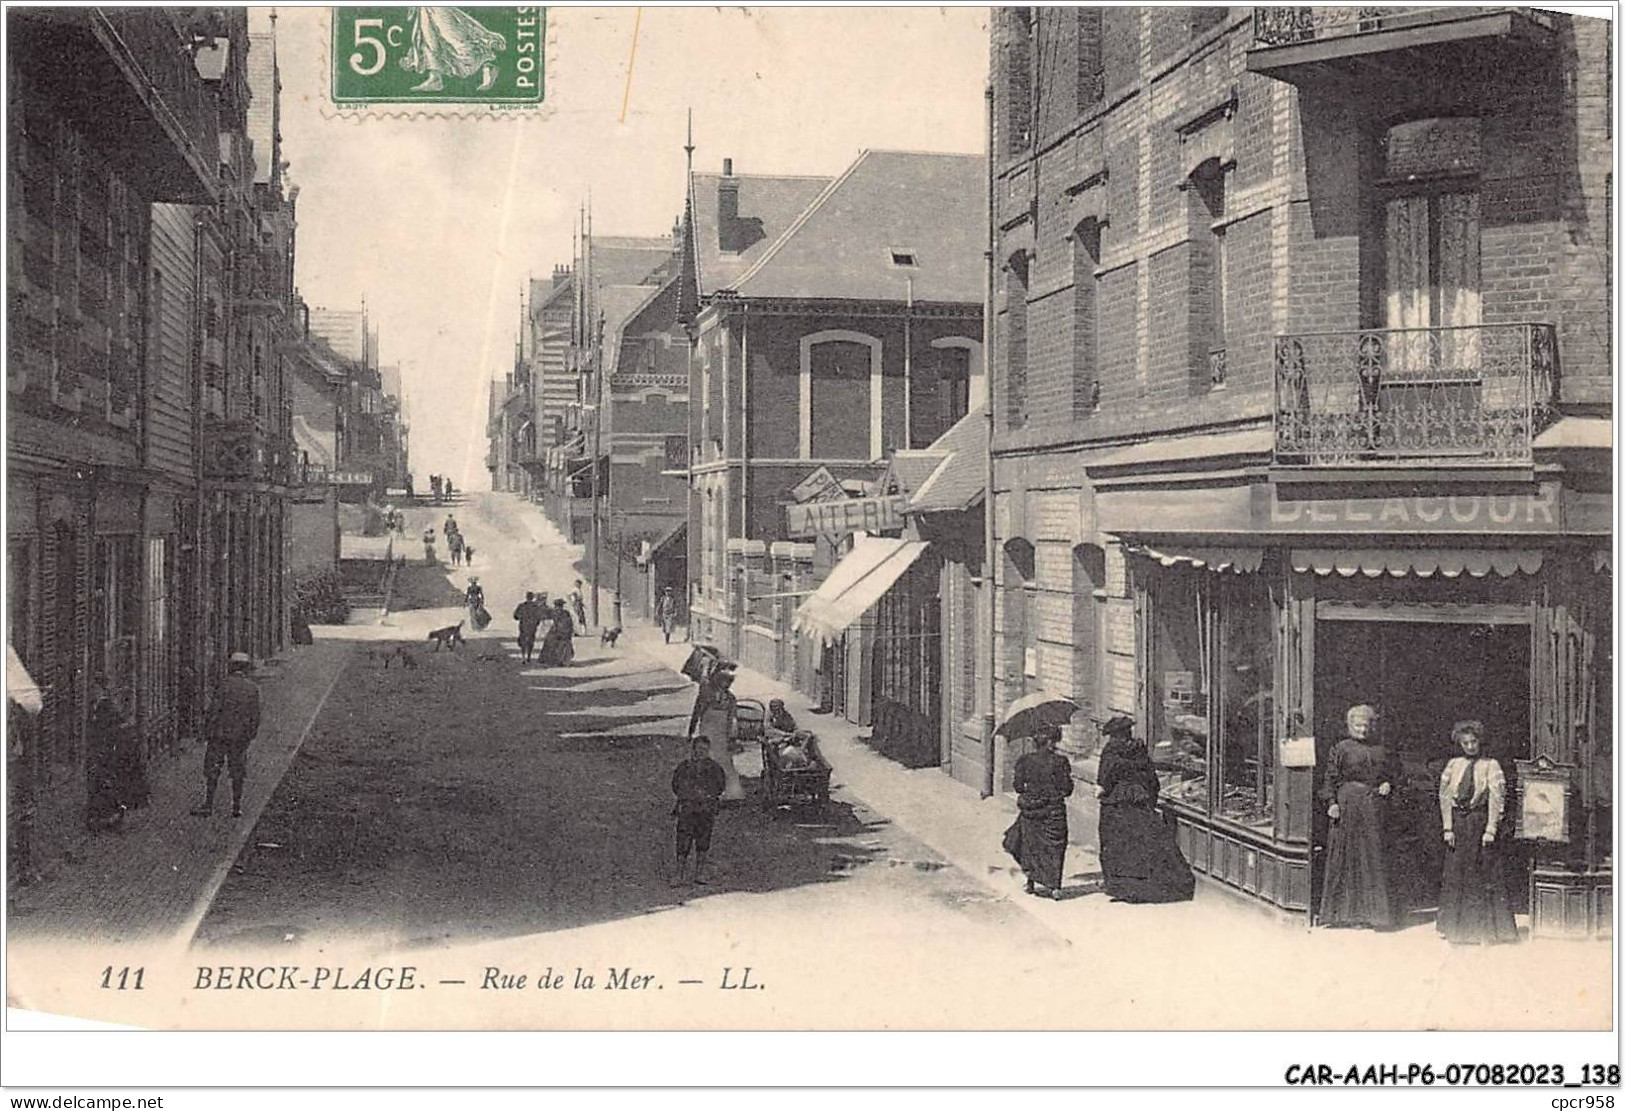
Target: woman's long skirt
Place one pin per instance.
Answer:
(1039, 842)
(1355, 891)
(1140, 857)
(558, 648)
(1473, 904)
(716, 726)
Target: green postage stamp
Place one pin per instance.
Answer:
(390, 57)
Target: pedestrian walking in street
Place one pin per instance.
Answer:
(428, 546)
(1474, 908)
(666, 612)
(529, 616)
(578, 606)
(1043, 781)
(231, 728)
(454, 542)
(713, 717)
(558, 646)
(468, 554)
(1139, 856)
(474, 599)
(1359, 778)
(698, 783)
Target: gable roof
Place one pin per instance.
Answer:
(627, 259)
(775, 200)
(619, 304)
(910, 468)
(930, 206)
(959, 482)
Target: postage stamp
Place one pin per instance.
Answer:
(438, 55)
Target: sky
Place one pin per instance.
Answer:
(438, 222)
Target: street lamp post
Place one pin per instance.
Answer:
(620, 555)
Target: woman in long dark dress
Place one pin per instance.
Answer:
(1139, 855)
(559, 645)
(1043, 781)
(1360, 775)
(1473, 905)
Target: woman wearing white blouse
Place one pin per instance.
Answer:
(1473, 904)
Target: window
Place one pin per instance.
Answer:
(115, 616)
(1209, 266)
(1091, 71)
(953, 385)
(1430, 236)
(903, 258)
(1211, 691)
(1018, 79)
(1015, 344)
(840, 404)
(1085, 318)
(1204, 20)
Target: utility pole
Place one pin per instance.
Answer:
(620, 554)
(594, 367)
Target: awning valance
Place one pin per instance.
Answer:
(1422, 562)
(1239, 560)
(855, 585)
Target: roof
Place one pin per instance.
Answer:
(909, 469)
(627, 259)
(930, 207)
(1180, 449)
(619, 304)
(961, 478)
(545, 291)
(774, 200)
(1578, 432)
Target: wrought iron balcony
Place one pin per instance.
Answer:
(1409, 396)
(1292, 38)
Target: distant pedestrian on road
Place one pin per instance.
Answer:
(529, 616)
(666, 612)
(578, 606)
(698, 783)
(231, 728)
(428, 546)
(558, 646)
(468, 554)
(454, 543)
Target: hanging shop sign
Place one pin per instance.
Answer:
(838, 518)
(821, 485)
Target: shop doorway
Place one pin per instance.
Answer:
(1423, 676)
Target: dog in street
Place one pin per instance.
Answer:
(449, 637)
(608, 636)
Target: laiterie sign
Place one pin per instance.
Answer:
(836, 518)
(350, 478)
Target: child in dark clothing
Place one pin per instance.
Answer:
(698, 783)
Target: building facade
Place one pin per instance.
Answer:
(1302, 386)
(147, 419)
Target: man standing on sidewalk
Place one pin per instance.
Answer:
(698, 783)
(529, 616)
(231, 728)
(666, 612)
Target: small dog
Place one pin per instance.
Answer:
(608, 636)
(449, 637)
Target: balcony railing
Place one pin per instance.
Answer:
(1294, 26)
(1381, 397)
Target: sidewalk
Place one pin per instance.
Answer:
(152, 880)
(1233, 945)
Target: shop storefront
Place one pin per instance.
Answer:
(1434, 602)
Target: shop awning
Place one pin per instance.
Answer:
(1422, 562)
(1238, 560)
(855, 585)
(672, 539)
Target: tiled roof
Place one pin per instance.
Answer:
(910, 469)
(619, 304)
(774, 200)
(627, 259)
(960, 480)
(848, 243)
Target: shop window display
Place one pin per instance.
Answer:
(1180, 617)
(1246, 697)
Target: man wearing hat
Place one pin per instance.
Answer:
(230, 729)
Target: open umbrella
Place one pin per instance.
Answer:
(1027, 713)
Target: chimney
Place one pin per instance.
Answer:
(728, 237)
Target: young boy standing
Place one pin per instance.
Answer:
(698, 783)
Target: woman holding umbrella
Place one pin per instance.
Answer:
(1043, 782)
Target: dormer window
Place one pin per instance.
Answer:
(904, 257)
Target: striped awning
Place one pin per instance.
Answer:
(1422, 562)
(1237, 560)
(855, 584)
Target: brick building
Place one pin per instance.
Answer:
(835, 321)
(147, 436)
(1302, 390)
